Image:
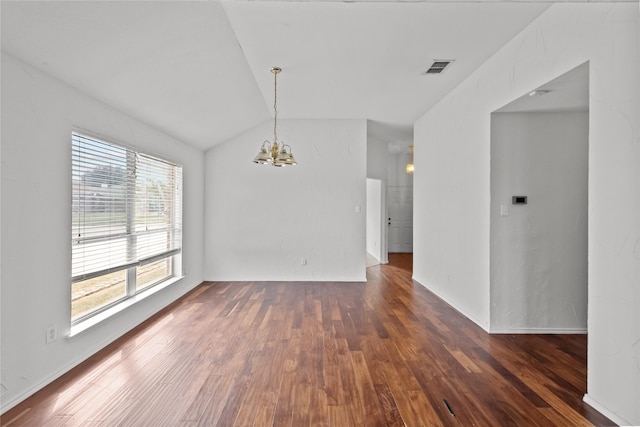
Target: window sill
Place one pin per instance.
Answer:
(100, 317)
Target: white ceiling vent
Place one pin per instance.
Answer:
(438, 66)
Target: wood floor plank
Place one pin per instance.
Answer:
(385, 352)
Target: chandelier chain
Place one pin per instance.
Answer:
(275, 108)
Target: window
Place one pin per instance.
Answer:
(126, 224)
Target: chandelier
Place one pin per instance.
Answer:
(275, 153)
(409, 167)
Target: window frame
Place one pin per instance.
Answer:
(130, 268)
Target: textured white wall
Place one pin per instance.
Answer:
(377, 156)
(38, 114)
(539, 250)
(261, 220)
(452, 193)
(396, 170)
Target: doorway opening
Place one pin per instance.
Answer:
(389, 191)
(539, 195)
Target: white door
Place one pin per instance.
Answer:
(400, 218)
(375, 218)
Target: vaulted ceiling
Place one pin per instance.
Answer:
(199, 70)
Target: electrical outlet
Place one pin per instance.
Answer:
(52, 334)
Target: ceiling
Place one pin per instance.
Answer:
(199, 70)
(568, 92)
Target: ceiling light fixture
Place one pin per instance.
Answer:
(539, 92)
(275, 153)
(409, 167)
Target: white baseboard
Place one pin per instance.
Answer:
(606, 412)
(580, 331)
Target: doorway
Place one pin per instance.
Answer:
(375, 239)
(539, 191)
(400, 204)
(388, 152)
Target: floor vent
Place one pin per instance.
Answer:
(438, 66)
(449, 407)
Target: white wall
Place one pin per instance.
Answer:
(397, 172)
(38, 114)
(377, 156)
(260, 221)
(539, 250)
(452, 197)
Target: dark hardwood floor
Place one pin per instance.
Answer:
(385, 352)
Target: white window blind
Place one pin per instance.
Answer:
(126, 208)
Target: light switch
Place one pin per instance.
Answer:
(504, 210)
(357, 208)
